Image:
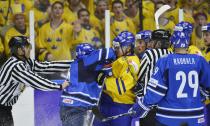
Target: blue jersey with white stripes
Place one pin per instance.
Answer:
(83, 90)
(175, 88)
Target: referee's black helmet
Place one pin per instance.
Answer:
(18, 42)
(162, 36)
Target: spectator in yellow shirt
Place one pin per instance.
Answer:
(54, 38)
(83, 30)
(132, 12)
(197, 39)
(70, 12)
(2, 58)
(19, 29)
(97, 18)
(41, 12)
(119, 22)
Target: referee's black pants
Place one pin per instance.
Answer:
(6, 118)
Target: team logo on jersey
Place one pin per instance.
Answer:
(54, 47)
(68, 101)
(58, 39)
(49, 40)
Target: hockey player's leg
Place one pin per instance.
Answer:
(74, 116)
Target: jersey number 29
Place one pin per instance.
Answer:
(191, 78)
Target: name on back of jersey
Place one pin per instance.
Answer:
(181, 61)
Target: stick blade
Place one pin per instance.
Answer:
(159, 12)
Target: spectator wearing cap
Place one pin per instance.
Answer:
(19, 29)
(200, 20)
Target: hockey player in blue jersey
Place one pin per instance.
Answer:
(143, 38)
(174, 87)
(83, 92)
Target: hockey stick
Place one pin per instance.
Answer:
(159, 12)
(117, 116)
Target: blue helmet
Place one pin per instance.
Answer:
(206, 27)
(185, 27)
(125, 38)
(179, 39)
(83, 49)
(145, 35)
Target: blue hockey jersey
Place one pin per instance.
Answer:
(83, 90)
(174, 88)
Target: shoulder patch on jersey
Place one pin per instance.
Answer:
(201, 120)
(153, 82)
(68, 101)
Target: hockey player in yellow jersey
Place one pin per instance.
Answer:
(19, 29)
(119, 22)
(118, 95)
(54, 38)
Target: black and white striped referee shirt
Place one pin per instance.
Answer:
(148, 62)
(15, 74)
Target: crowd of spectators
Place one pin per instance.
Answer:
(62, 24)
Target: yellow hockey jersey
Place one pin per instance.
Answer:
(119, 86)
(55, 41)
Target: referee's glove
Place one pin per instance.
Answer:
(139, 89)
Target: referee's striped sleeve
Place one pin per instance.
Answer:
(148, 63)
(49, 67)
(22, 75)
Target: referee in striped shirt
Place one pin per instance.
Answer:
(161, 44)
(18, 72)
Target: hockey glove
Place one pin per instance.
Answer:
(205, 94)
(139, 109)
(101, 78)
(139, 89)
